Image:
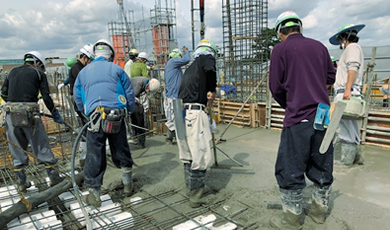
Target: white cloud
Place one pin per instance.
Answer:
(61, 28)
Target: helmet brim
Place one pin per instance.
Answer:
(334, 41)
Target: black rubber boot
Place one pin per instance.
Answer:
(53, 175)
(22, 180)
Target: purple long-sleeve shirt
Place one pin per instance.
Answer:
(300, 69)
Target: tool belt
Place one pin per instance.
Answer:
(23, 114)
(110, 119)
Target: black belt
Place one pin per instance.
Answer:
(194, 107)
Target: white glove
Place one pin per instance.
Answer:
(61, 85)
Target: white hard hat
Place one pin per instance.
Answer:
(100, 46)
(143, 55)
(88, 50)
(34, 56)
(154, 85)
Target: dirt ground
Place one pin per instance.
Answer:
(360, 194)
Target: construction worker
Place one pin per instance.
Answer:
(70, 61)
(85, 56)
(300, 70)
(348, 84)
(142, 86)
(133, 57)
(104, 92)
(23, 121)
(139, 68)
(172, 76)
(196, 90)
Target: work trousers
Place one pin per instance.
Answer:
(137, 118)
(169, 114)
(96, 162)
(298, 155)
(35, 136)
(196, 147)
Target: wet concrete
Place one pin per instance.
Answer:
(360, 194)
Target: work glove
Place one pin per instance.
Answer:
(61, 85)
(57, 117)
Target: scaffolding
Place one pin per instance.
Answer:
(121, 35)
(243, 23)
(163, 24)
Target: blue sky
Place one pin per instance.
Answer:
(61, 28)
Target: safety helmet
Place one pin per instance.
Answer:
(88, 50)
(103, 45)
(133, 52)
(290, 17)
(175, 53)
(154, 85)
(34, 56)
(207, 43)
(351, 29)
(70, 61)
(143, 55)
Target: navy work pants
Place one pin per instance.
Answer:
(96, 162)
(298, 155)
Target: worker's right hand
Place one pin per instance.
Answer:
(57, 117)
(61, 85)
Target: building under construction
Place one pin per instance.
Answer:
(159, 202)
(155, 34)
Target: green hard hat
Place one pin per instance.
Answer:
(175, 53)
(70, 61)
(343, 29)
(287, 16)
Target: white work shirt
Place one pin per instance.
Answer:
(351, 59)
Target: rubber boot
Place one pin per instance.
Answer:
(195, 197)
(54, 176)
(359, 160)
(292, 210)
(93, 197)
(170, 135)
(22, 180)
(196, 186)
(82, 153)
(141, 141)
(348, 153)
(187, 168)
(127, 181)
(319, 204)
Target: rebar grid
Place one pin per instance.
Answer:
(243, 22)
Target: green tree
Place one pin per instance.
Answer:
(264, 43)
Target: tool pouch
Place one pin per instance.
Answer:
(112, 122)
(22, 114)
(321, 120)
